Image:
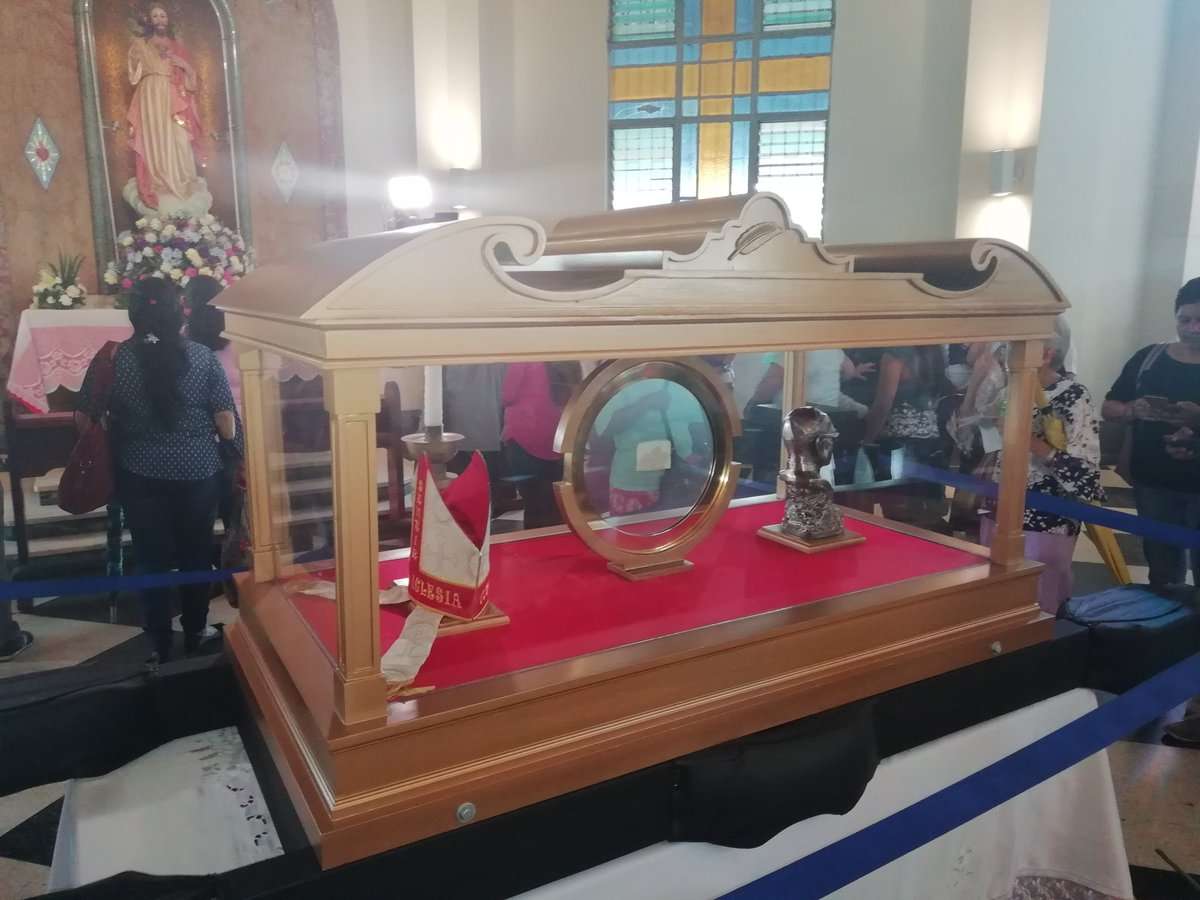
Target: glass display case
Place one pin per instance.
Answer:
(627, 380)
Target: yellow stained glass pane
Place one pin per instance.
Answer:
(716, 79)
(717, 106)
(717, 51)
(691, 81)
(718, 17)
(642, 83)
(714, 159)
(809, 73)
(741, 77)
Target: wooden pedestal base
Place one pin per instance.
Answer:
(779, 536)
(642, 573)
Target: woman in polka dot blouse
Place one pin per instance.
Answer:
(170, 405)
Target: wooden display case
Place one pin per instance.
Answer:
(564, 697)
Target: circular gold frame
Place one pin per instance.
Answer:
(648, 555)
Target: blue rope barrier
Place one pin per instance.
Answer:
(65, 587)
(1071, 509)
(844, 861)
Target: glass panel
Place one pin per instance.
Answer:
(642, 166)
(691, 107)
(650, 109)
(716, 79)
(817, 101)
(791, 163)
(640, 20)
(714, 159)
(718, 16)
(759, 390)
(642, 83)
(745, 16)
(797, 14)
(740, 179)
(691, 81)
(642, 56)
(691, 52)
(691, 17)
(741, 106)
(716, 107)
(745, 49)
(741, 77)
(687, 159)
(807, 45)
(802, 74)
(716, 51)
(650, 451)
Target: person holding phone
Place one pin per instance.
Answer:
(1158, 394)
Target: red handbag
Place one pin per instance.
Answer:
(87, 481)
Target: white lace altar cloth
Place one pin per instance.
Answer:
(1060, 840)
(190, 807)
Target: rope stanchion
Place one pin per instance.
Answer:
(65, 587)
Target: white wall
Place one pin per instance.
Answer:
(544, 80)
(1092, 195)
(1002, 109)
(1173, 235)
(375, 41)
(895, 127)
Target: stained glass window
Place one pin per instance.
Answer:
(716, 97)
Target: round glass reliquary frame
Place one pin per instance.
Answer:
(638, 556)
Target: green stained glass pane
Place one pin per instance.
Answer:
(643, 165)
(643, 20)
(797, 14)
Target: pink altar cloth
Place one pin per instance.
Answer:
(53, 349)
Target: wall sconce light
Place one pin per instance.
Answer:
(1004, 172)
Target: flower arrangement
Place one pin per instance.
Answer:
(59, 286)
(178, 249)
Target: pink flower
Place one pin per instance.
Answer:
(127, 283)
(190, 272)
(227, 278)
(158, 248)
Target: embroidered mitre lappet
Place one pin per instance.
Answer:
(448, 568)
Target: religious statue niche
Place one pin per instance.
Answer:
(160, 82)
(811, 521)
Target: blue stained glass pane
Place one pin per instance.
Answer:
(691, 107)
(691, 52)
(815, 101)
(642, 109)
(807, 45)
(687, 162)
(745, 16)
(797, 14)
(741, 106)
(691, 17)
(642, 56)
(745, 49)
(739, 181)
(642, 20)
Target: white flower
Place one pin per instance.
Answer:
(64, 300)
(165, 266)
(150, 236)
(74, 291)
(110, 276)
(168, 230)
(184, 280)
(194, 256)
(235, 263)
(156, 274)
(205, 270)
(147, 251)
(176, 274)
(207, 219)
(140, 223)
(126, 240)
(156, 224)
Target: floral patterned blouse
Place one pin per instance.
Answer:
(1073, 473)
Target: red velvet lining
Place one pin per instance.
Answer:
(564, 603)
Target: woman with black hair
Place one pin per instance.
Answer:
(169, 404)
(205, 323)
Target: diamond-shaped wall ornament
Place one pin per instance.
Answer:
(42, 153)
(285, 172)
